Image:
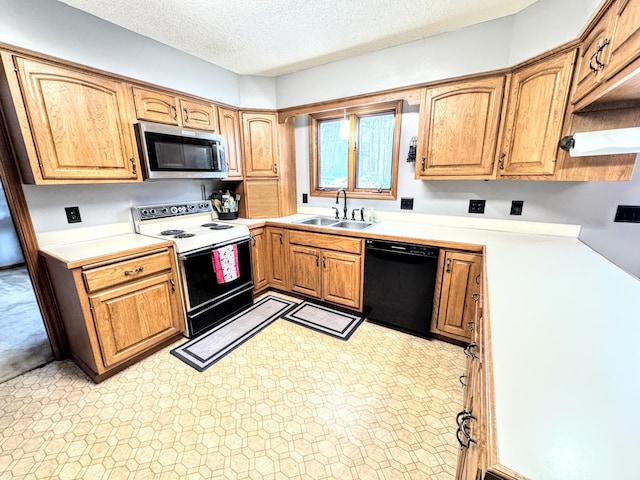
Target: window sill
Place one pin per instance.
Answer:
(372, 195)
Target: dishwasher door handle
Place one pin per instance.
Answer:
(396, 253)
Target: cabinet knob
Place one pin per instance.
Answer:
(317, 261)
(501, 161)
(175, 112)
(134, 169)
(134, 271)
(424, 161)
(186, 114)
(448, 265)
(275, 168)
(280, 239)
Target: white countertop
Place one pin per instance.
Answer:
(565, 324)
(86, 250)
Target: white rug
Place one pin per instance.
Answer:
(24, 344)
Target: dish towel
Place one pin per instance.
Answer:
(225, 263)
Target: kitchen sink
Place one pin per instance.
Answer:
(320, 221)
(352, 224)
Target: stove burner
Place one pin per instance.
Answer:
(217, 226)
(171, 232)
(184, 235)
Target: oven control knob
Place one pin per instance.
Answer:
(152, 211)
(174, 209)
(165, 209)
(203, 205)
(191, 207)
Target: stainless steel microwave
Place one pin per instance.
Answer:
(170, 152)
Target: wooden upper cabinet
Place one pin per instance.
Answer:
(624, 35)
(230, 128)
(76, 126)
(591, 55)
(162, 107)
(535, 112)
(260, 134)
(459, 129)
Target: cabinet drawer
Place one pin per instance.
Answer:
(327, 242)
(121, 272)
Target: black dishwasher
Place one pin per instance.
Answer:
(399, 283)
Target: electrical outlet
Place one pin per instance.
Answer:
(73, 214)
(516, 207)
(476, 206)
(627, 214)
(305, 198)
(406, 204)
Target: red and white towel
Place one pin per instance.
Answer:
(225, 263)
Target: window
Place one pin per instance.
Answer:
(355, 149)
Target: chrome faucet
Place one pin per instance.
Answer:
(345, 202)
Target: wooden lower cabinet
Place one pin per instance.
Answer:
(259, 263)
(118, 310)
(457, 294)
(277, 257)
(327, 267)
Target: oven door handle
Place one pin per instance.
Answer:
(238, 241)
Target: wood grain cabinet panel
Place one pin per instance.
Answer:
(259, 259)
(261, 152)
(624, 35)
(458, 295)
(230, 128)
(135, 317)
(306, 274)
(79, 126)
(277, 251)
(261, 198)
(459, 129)
(163, 107)
(535, 112)
(342, 279)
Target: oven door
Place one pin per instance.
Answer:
(209, 302)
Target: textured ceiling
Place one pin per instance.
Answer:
(274, 37)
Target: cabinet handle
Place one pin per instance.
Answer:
(478, 279)
(475, 297)
(468, 352)
(501, 161)
(424, 161)
(317, 261)
(448, 265)
(593, 69)
(275, 168)
(599, 64)
(324, 262)
(253, 241)
(186, 114)
(134, 271)
(280, 239)
(134, 168)
(463, 415)
(460, 379)
(470, 325)
(173, 285)
(175, 112)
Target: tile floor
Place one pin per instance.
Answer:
(290, 403)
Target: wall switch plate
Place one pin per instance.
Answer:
(516, 207)
(305, 198)
(73, 214)
(476, 206)
(627, 214)
(406, 204)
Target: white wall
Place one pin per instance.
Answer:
(496, 44)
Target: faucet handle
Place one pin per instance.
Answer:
(337, 214)
(353, 214)
(362, 214)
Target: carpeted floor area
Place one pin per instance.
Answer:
(24, 344)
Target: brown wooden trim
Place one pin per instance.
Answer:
(595, 18)
(27, 237)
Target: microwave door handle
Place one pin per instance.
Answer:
(214, 156)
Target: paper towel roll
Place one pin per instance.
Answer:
(606, 142)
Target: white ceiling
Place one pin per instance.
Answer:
(275, 37)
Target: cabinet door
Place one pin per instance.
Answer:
(535, 112)
(260, 134)
(80, 124)
(342, 279)
(457, 307)
(199, 115)
(136, 316)
(459, 129)
(155, 106)
(262, 197)
(259, 259)
(230, 128)
(277, 255)
(305, 270)
(587, 73)
(624, 35)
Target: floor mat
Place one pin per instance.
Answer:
(324, 319)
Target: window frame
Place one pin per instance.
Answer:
(352, 114)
